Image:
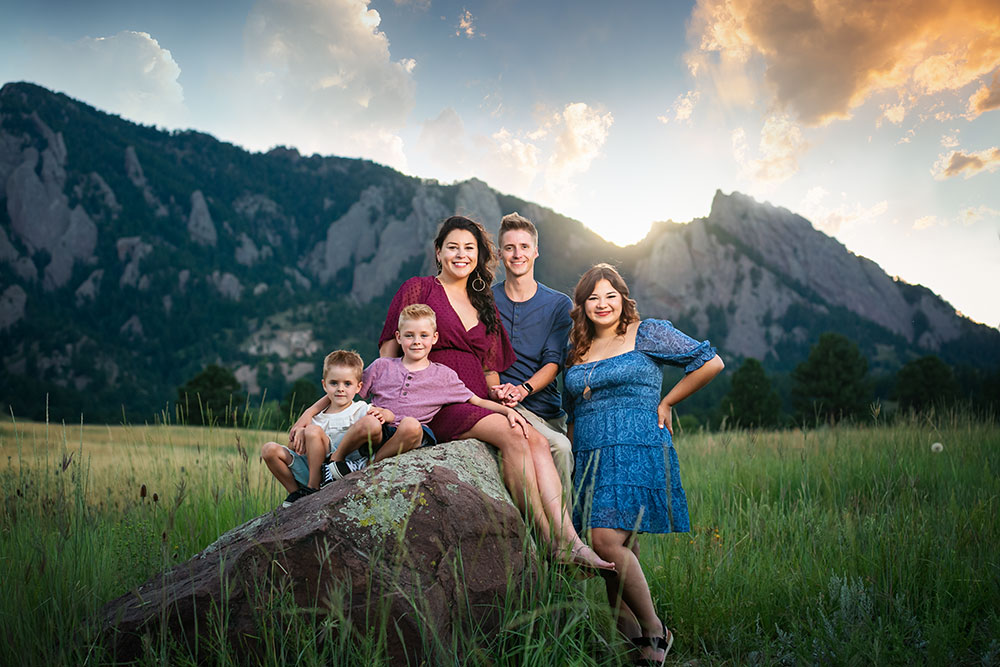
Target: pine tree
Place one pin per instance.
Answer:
(751, 401)
(832, 384)
(924, 382)
(213, 396)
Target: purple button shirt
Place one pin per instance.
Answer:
(419, 394)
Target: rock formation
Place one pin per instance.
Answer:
(428, 541)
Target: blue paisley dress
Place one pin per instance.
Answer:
(626, 473)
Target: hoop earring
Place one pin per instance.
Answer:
(482, 284)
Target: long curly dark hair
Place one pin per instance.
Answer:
(582, 334)
(486, 260)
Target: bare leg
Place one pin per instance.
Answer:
(317, 447)
(278, 460)
(409, 434)
(629, 582)
(626, 621)
(523, 458)
(365, 430)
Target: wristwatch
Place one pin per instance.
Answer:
(526, 385)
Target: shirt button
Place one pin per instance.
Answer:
(404, 393)
(407, 384)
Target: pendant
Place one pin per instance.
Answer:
(586, 393)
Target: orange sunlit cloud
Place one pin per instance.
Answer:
(967, 164)
(824, 58)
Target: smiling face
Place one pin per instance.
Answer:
(604, 305)
(341, 385)
(416, 337)
(518, 250)
(458, 254)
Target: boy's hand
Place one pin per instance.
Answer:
(297, 440)
(517, 421)
(381, 414)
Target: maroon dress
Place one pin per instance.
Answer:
(467, 353)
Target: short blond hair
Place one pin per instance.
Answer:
(417, 311)
(346, 358)
(515, 221)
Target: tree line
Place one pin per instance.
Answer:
(831, 385)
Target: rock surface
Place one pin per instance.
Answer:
(428, 540)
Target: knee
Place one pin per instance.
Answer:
(561, 447)
(312, 432)
(369, 426)
(270, 451)
(604, 543)
(410, 428)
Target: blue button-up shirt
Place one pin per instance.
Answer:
(539, 330)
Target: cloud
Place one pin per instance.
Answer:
(128, 74)
(985, 99)
(781, 145)
(950, 140)
(822, 59)
(530, 162)
(966, 217)
(973, 214)
(321, 78)
(466, 25)
(682, 107)
(952, 164)
(837, 217)
(584, 131)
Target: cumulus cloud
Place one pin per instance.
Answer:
(682, 108)
(958, 162)
(823, 58)
(837, 216)
(986, 98)
(781, 145)
(322, 78)
(584, 131)
(128, 74)
(540, 162)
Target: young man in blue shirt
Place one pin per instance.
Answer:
(537, 319)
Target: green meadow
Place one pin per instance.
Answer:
(834, 546)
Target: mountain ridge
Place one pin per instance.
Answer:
(130, 257)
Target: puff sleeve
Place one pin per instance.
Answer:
(659, 340)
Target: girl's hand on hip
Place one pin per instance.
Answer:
(664, 413)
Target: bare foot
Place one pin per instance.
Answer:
(584, 556)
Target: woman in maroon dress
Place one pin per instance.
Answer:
(473, 343)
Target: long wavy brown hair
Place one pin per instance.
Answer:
(486, 260)
(582, 334)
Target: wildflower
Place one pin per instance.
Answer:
(937, 447)
(156, 498)
(142, 491)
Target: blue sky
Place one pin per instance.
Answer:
(880, 122)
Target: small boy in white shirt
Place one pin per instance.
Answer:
(299, 467)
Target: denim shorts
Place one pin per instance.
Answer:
(429, 437)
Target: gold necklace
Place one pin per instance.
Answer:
(586, 385)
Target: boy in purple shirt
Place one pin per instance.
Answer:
(408, 391)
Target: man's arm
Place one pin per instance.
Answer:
(512, 394)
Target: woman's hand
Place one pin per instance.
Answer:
(516, 420)
(508, 394)
(665, 416)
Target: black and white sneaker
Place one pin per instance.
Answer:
(301, 492)
(335, 470)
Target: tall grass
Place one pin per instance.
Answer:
(840, 545)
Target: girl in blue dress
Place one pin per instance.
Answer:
(626, 475)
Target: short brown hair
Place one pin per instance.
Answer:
(347, 358)
(417, 311)
(516, 221)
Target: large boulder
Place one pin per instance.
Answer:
(417, 549)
